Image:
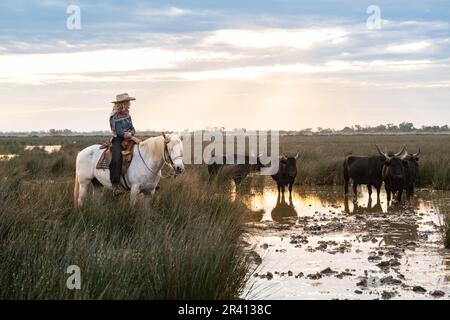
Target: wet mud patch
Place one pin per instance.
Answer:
(318, 245)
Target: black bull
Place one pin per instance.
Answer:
(287, 171)
(363, 170)
(398, 171)
(411, 171)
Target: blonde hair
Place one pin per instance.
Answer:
(121, 105)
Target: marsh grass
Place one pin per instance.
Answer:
(187, 247)
(320, 161)
(321, 157)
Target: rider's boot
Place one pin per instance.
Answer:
(117, 189)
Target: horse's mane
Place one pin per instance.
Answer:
(154, 146)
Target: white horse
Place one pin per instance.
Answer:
(142, 176)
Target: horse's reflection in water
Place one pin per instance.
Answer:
(358, 209)
(283, 210)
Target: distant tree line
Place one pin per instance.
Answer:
(390, 127)
(404, 127)
(67, 133)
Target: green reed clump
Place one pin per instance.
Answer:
(440, 176)
(186, 247)
(37, 164)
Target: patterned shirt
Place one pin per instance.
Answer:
(120, 122)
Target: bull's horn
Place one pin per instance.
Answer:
(296, 156)
(416, 154)
(382, 153)
(401, 152)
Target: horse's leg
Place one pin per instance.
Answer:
(98, 190)
(134, 193)
(84, 186)
(147, 199)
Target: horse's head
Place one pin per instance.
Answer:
(174, 152)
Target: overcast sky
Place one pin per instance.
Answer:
(257, 64)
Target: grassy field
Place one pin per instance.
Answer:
(320, 161)
(321, 157)
(187, 247)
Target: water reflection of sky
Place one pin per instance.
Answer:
(310, 201)
(46, 148)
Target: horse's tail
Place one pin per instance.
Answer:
(76, 190)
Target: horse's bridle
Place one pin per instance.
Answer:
(167, 158)
(167, 155)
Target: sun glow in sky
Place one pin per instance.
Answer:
(253, 64)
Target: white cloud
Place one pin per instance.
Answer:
(163, 12)
(265, 38)
(425, 25)
(334, 66)
(410, 47)
(34, 68)
(221, 54)
(252, 73)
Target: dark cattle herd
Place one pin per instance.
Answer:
(398, 171)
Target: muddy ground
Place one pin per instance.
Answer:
(317, 245)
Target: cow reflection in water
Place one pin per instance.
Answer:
(283, 210)
(358, 209)
(391, 232)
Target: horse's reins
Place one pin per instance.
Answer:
(166, 152)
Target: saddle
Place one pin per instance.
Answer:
(127, 154)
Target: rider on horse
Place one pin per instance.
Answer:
(122, 129)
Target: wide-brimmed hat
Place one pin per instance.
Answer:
(123, 97)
